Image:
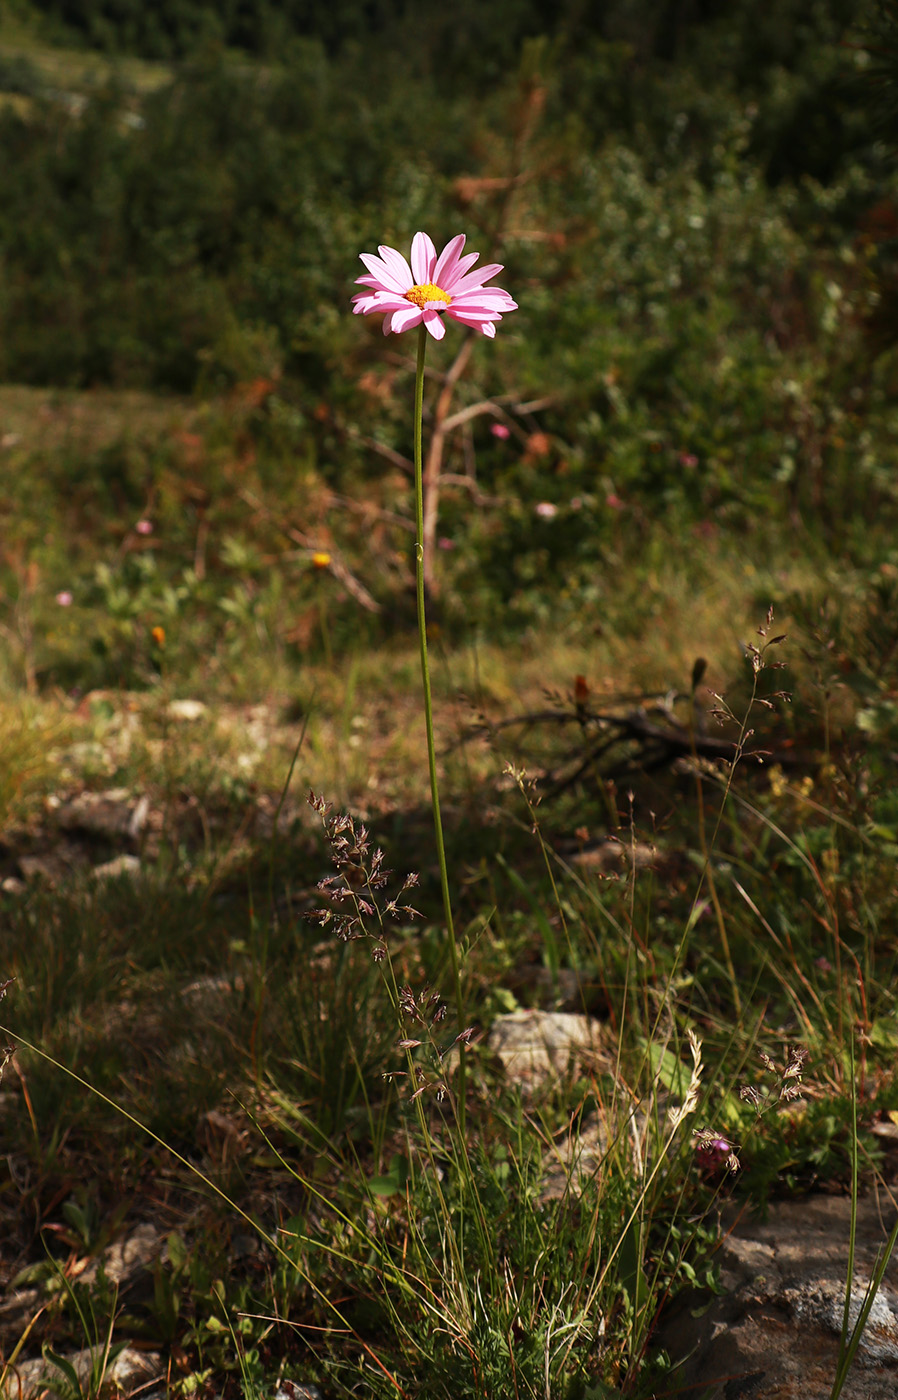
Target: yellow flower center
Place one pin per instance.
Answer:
(425, 292)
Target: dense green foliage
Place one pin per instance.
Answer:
(474, 35)
(695, 210)
(225, 167)
(139, 238)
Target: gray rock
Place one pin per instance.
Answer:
(128, 1370)
(127, 1258)
(534, 1045)
(21, 1304)
(188, 710)
(112, 814)
(574, 1160)
(124, 865)
(291, 1390)
(775, 1331)
(52, 866)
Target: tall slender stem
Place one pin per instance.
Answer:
(428, 713)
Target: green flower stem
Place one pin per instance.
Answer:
(428, 713)
(325, 630)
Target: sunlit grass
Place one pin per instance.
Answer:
(75, 69)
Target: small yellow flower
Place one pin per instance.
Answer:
(321, 559)
(158, 635)
(777, 780)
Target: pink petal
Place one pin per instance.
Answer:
(424, 255)
(480, 303)
(489, 329)
(477, 279)
(453, 276)
(409, 316)
(483, 301)
(447, 262)
(398, 266)
(476, 321)
(479, 323)
(478, 308)
(470, 293)
(473, 318)
(386, 301)
(434, 323)
(384, 276)
(388, 323)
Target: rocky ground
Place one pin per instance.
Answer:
(773, 1332)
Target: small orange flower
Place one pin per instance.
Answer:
(321, 559)
(158, 635)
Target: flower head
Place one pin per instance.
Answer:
(144, 527)
(321, 559)
(713, 1153)
(64, 599)
(431, 288)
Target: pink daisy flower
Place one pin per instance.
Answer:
(431, 287)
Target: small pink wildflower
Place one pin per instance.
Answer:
(144, 527)
(614, 502)
(546, 510)
(714, 1153)
(688, 459)
(499, 430)
(431, 287)
(64, 599)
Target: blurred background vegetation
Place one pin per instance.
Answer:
(696, 207)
